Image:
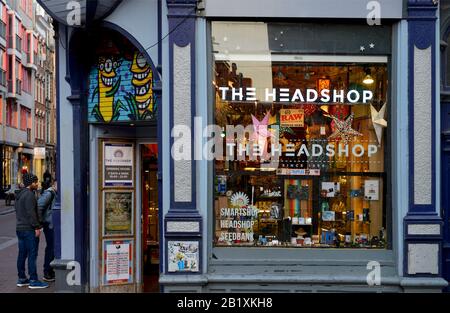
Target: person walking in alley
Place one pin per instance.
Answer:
(28, 230)
(45, 208)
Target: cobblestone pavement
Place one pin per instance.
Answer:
(8, 253)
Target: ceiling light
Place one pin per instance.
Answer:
(368, 80)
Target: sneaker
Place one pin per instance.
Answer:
(36, 284)
(22, 282)
(49, 277)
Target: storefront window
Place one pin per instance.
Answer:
(304, 142)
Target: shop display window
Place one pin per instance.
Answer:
(309, 170)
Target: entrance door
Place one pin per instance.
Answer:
(150, 217)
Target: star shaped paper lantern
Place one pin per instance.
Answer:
(260, 128)
(261, 131)
(378, 121)
(343, 129)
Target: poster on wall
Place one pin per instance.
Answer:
(117, 212)
(292, 117)
(117, 262)
(118, 163)
(183, 256)
(330, 189)
(371, 190)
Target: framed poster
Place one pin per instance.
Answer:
(118, 164)
(183, 256)
(117, 262)
(118, 212)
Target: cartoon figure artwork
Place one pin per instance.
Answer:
(120, 85)
(183, 256)
(108, 83)
(140, 104)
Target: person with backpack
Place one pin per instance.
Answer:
(46, 204)
(28, 230)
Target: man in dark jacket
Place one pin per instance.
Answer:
(28, 230)
(45, 209)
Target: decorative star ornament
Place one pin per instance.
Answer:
(372, 45)
(378, 121)
(343, 129)
(362, 48)
(260, 128)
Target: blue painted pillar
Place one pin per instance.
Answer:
(57, 209)
(422, 225)
(81, 166)
(182, 222)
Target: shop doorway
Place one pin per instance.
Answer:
(150, 217)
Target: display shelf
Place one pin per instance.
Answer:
(335, 221)
(268, 220)
(267, 198)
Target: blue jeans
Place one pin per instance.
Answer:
(49, 249)
(28, 248)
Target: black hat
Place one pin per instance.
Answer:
(28, 179)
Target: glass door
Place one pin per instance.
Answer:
(150, 216)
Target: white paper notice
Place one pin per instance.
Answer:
(118, 262)
(371, 190)
(332, 188)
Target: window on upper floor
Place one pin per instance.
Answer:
(11, 114)
(36, 126)
(26, 85)
(23, 118)
(17, 69)
(8, 113)
(29, 119)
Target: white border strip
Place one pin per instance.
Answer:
(300, 58)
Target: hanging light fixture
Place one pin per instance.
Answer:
(368, 80)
